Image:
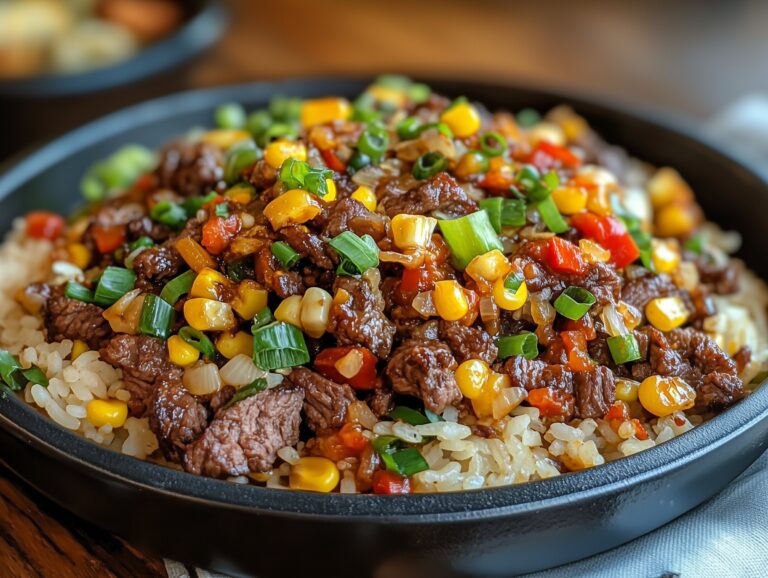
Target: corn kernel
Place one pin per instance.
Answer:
(593, 252)
(78, 348)
(292, 208)
(230, 345)
(570, 200)
(488, 268)
(365, 196)
(667, 186)
(675, 220)
(210, 284)
(507, 300)
(412, 231)
(450, 301)
(548, 132)
(180, 352)
(279, 151)
(101, 412)
(666, 313)
(209, 315)
(250, 299)
(224, 138)
(315, 311)
(665, 395)
(471, 377)
(240, 193)
(471, 163)
(483, 404)
(323, 110)
(314, 474)
(79, 255)
(463, 119)
(331, 194)
(599, 201)
(665, 255)
(626, 390)
(289, 310)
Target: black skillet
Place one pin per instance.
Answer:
(494, 532)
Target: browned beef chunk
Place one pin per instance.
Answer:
(742, 358)
(146, 227)
(468, 342)
(602, 281)
(358, 317)
(725, 279)
(719, 390)
(638, 292)
(271, 275)
(534, 374)
(325, 401)
(246, 436)
(381, 402)
(144, 361)
(555, 354)
(440, 193)
(67, 318)
(176, 417)
(261, 174)
(351, 215)
(190, 169)
(221, 398)
(425, 369)
(156, 266)
(594, 391)
(308, 245)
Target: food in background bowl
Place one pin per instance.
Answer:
(404, 293)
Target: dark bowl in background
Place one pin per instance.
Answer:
(492, 532)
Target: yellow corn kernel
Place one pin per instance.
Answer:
(331, 194)
(194, 255)
(292, 208)
(507, 300)
(665, 255)
(598, 201)
(365, 196)
(412, 231)
(667, 186)
(230, 345)
(224, 138)
(570, 200)
(626, 390)
(79, 255)
(250, 299)
(488, 268)
(665, 395)
(471, 163)
(593, 252)
(78, 348)
(666, 313)
(450, 301)
(394, 96)
(211, 284)
(548, 132)
(323, 110)
(240, 193)
(279, 151)
(483, 404)
(209, 315)
(675, 220)
(471, 377)
(180, 352)
(101, 412)
(314, 474)
(463, 119)
(315, 311)
(289, 310)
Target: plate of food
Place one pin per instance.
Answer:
(430, 327)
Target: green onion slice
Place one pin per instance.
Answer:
(259, 385)
(193, 204)
(177, 287)
(198, 340)
(79, 292)
(551, 216)
(35, 375)
(114, 283)
(695, 244)
(169, 213)
(230, 115)
(373, 141)
(469, 236)
(285, 108)
(141, 242)
(428, 165)
(157, 317)
(513, 281)
(405, 462)
(504, 212)
(261, 319)
(279, 345)
(409, 128)
(240, 156)
(285, 254)
(527, 117)
(574, 302)
(357, 161)
(358, 253)
(624, 348)
(493, 144)
(408, 415)
(296, 174)
(10, 371)
(525, 344)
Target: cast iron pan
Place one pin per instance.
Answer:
(495, 532)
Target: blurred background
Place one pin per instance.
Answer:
(63, 62)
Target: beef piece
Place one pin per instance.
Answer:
(425, 369)
(308, 245)
(312, 276)
(594, 391)
(369, 464)
(724, 279)
(176, 417)
(246, 436)
(144, 361)
(719, 390)
(698, 348)
(555, 354)
(155, 266)
(261, 174)
(351, 215)
(270, 274)
(534, 374)
(440, 193)
(701, 305)
(190, 168)
(742, 358)
(468, 342)
(67, 318)
(381, 402)
(146, 227)
(638, 292)
(602, 281)
(325, 401)
(359, 319)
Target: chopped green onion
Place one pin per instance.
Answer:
(385, 446)
(432, 417)
(285, 108)
(259, 385)
(261, 319)
(642, 239)
(405, 462)
(469, 236)
(537, 187)
(316, 181)
(409, 128)
(357, 161)
(408, 415)
(169, 213)
(198, 340)
(525, 344)
(230, 115)
(418, 92)
(358, 254)
(277, 130)
(35, 375)
(258, 122)
(441, 127)
(193, 204)
(177, 287)
(79, 292)
(118, 171)
(373, 142)
(142, 242)
(504, 212)
(279, 345)
(551, 216)
(296, 174)
(624, 348)
(157, 317)
(285, 254)
(239, 270)
(114, 283)
(695, 244)
(393, 81)
(428, 165)
(238, 158)
(513, 281)
(493, 144)
(10, 371)
(528, 117)
(574, 302)
(221, 210)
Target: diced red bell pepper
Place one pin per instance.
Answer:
(44, 225)
(585, 325)
(623, 249)
(564, 257)
(551, 402)
(352, 436)
(218, 233)
(109, 238)
(640, 432)
(332, 446)
(364, 379)
(618, 412)
(389, 483)
(576, 346)
(547, 156)
(332, 160)
(146, 182)
(611, 234)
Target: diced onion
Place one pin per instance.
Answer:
(359, 412)
(424, 304)
(542, 311)
(349, 365)
(240, 371)
(123, 315)
(613, 321)
(489, 311)
(410, 261)
(202, 379)
(507, 400)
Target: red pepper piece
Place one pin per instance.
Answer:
(332, 161)
(109, 237)
(44, 225)
(576, 346)
(564, 257)
(547, 156)
(218, 233)
(389, 483)
(364, 379)
(611, 233)
(550, 402)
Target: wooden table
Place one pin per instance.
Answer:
(673, 54)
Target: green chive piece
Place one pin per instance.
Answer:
(157, 317)
(285, 108)
(79, 292)
(373, 141)
(279, 345)
(528, 117)
(358, 253)
(410, 461)
(525, 344)
(469, 236)
(537, 187)
(296, 174)
(284, 253)
(409, 128)
(551, 216)
(513, 281)
(574, 302)
(118, 171)
(177, 287)
(504, 212)
(428, 165)
(624, 348)
(358, 161)
(259, 385)
(493, 144)
(408, 415)
(261, 319)
(230, 115)
(239, 157)
(10, 371)
(35, 375)
(198, 340)
(169, 213)
(193, 204)
(114, 283)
